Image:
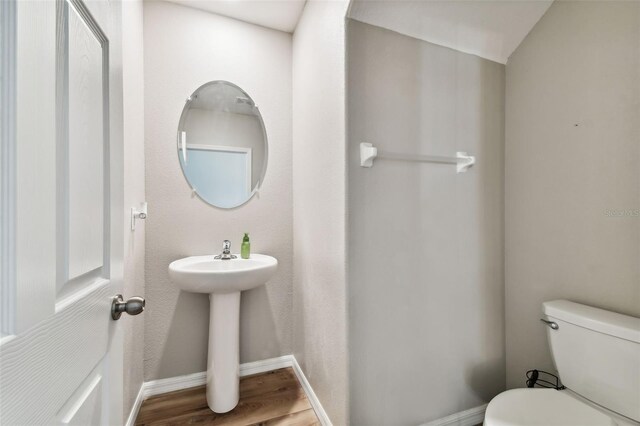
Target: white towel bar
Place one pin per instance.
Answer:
(368, 153)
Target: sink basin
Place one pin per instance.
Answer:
(223, 280)
(203, 274)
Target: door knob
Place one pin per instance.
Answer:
(133, 306)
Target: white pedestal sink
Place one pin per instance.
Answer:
(223, 280)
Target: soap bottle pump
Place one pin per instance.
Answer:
(245, 248)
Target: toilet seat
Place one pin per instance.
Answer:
(542, 407)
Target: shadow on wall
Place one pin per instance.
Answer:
(259, 301)
(185, 329)
(488, 378)
(426, 278)
(485, 378)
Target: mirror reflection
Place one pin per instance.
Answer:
(222, 144)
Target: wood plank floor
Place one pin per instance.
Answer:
(271, 398)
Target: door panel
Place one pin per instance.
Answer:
(43, 368)
(60, 352)
(85, 147)
(85, 405)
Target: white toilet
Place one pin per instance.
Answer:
(597, 354)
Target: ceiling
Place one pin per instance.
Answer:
(281, 15)
(491, 29)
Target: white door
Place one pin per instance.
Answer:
(61, 212)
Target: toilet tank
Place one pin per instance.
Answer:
(597, 354)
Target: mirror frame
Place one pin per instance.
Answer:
(265, 161)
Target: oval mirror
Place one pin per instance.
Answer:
(222, 144)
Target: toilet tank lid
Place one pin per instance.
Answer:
(607, 322)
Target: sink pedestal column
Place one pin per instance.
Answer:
(223, 366)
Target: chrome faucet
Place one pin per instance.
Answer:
(226, 251)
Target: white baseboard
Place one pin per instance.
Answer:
(136, 407)
(256, 367)
(156, 387)
(311, 396)
(470, 417)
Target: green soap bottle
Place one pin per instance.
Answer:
(245, 248)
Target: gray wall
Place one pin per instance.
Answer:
(134, 194)
(319, 184)
(572, 156)
(426, 285)
(185, 48)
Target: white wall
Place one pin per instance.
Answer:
(319, 292)
(185, 48)
(572, 155)
(134, 194)
(425, 245)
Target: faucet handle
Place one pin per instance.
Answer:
(226, 251)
